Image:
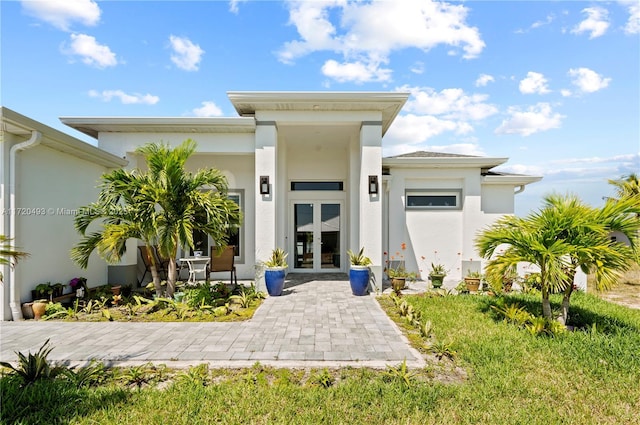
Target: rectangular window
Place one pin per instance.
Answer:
(203, 242)
(317, 186)
(433, 199)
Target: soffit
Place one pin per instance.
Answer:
(443, 162)
(15, 123)
(388, 103)
(92, 126)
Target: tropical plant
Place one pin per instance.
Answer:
(43, 290)
(437, 270)
(278, 258)
(399, 271)
(473, 274)
(358, 259)
(322, 379)
(162, 206)
(627, 187)
(443, 349)
(9, 254)
(564, 235)
(400, 374)
(34, 367)
(93, 374)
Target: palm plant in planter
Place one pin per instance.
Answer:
(274, 272)
(472, 279)
(359, 272)
(437, 275)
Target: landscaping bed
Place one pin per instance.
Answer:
(586, 376)
(202, 302)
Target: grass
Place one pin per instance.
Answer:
(583, 377)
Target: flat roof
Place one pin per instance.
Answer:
(388, 103)
(16, 123)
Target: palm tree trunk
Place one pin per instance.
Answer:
(154, 271)
(546, 304)
(567, 296)
(156, 280)
(171, 277)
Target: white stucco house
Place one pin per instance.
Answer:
(308, 173)
(44, 176)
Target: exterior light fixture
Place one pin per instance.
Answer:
(264, 185)
(373, 185)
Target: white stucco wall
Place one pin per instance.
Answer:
(442, 236)
(55, 184)
(120, 144)
(498, 199)
(239, 171)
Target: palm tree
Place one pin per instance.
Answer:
(628, 186)
(162, 206)
(186, 202)
(8, 254)
(564, 235)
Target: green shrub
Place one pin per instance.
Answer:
(34, 367)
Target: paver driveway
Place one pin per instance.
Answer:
(315, 323)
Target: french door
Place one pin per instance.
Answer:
(317, 230)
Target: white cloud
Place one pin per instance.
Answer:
(587, 80)
(233, 5)
(127, 99)
(369, 32)
(596, 23)
(484, 79)
(413, 129)
(417, 68)
(90, 51)
(633, 23)
(530, 170)
(550, 18)
(356, 72)
(62, 13)
(565, 92)
(534, 83)
(186, 55)
(539, 117)
(208, 109)
(452, 104)
(537, 24)
(626, 158)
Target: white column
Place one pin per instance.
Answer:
(370, 220)
(265, 213)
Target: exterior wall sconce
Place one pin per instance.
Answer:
(264, 185)
(373, 185)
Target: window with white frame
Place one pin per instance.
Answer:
(203, 242)
(434, 199)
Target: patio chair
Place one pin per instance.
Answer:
(161, 266)
(224, 262)
(146, 260)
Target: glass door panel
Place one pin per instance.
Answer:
(317, 228)
(304, 227)
(330, 236)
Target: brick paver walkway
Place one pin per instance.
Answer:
(317, 322)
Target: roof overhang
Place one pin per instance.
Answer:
(18, 124)
(510, 179)
(443, 162)
(388, 103)
(92, 126)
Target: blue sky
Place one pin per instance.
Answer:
(554, 86)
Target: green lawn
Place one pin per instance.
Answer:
(509, 377)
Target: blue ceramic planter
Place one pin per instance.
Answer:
(359, 279)
(274, 279)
